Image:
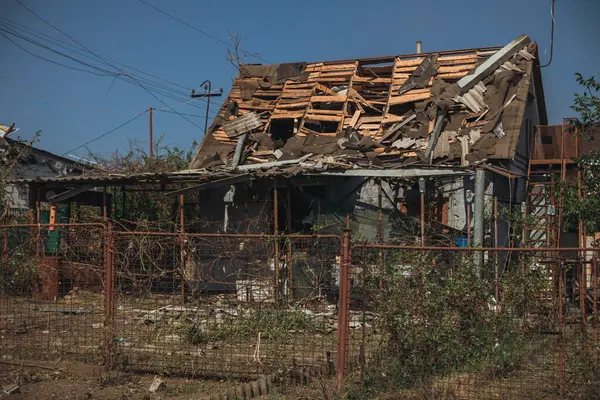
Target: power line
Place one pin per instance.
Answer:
(106, 133)
(248, 54)
(60, 43)
(50, 61)
(160, 89)
(104, 71)
(189, 115)
(551, 36)
(106, 62)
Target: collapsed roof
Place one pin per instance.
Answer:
(446, 108)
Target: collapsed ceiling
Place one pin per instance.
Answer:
(454, 108)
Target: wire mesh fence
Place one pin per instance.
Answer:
(225, 305)
(475, 323)
(427, 322)
(51, 292)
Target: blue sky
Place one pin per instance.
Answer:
(72, 107)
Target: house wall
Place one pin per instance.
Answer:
(36, 165)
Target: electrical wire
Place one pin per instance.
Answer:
(189, 115)
(551, 37)
(48, 60)
(246, 53)
(157, 88)
(105, 134)
(104, 61)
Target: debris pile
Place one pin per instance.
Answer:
(439, 108)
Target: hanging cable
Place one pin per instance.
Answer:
(246, 53)
(106, 133)
(104, 61)
(551, 36)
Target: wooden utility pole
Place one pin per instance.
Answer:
(208, 94)
(151, 141)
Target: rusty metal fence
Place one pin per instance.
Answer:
(52, 292)
(224, 305)
(434, 321)
(466, 323)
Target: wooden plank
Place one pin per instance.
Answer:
(291, 93)
(324, 89)
(299, 85)
(317, 117)
(335, 73)
(267, 93)
(367, 79)
(409, 98)
(338, 67)
(287, 115)
(300, 104)
(334, 79)
(457, 68)
(369, 127)
(354, 118)
(377, 118)
(323, 99)
(459, 57)
(389, 118)
(409, 62)
(326, 112)
(453, 75)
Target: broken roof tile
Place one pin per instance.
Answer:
(292, 105)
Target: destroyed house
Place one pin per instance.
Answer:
(26, 162)
(394, 141)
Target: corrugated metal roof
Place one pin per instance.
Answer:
(142, 177)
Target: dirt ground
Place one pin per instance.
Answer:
(79, 381)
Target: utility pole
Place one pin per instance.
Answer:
(208, 94)
(151, 142)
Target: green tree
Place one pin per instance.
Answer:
(585, 205)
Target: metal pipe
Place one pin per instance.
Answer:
(289, 246)
(276, 234)
(497, 261)
(561, 344)
(595, 308)
(364, 328)
(182, 246)
(468, 224)
(582, 295)
(422, 193)
(478, 216)
(419, 47)
(344, 309)
(211, 235)
(96, 224)
(476, 249)
(380, 228)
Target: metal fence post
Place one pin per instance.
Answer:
(109, 301)
(182, 246)
(343, 312)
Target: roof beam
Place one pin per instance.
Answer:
(493, 63)
(399, 173)
(209, 185)
(58, 198)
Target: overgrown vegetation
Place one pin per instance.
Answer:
(144, 205)
(437, 317)
(584, 204)
(271, 324)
